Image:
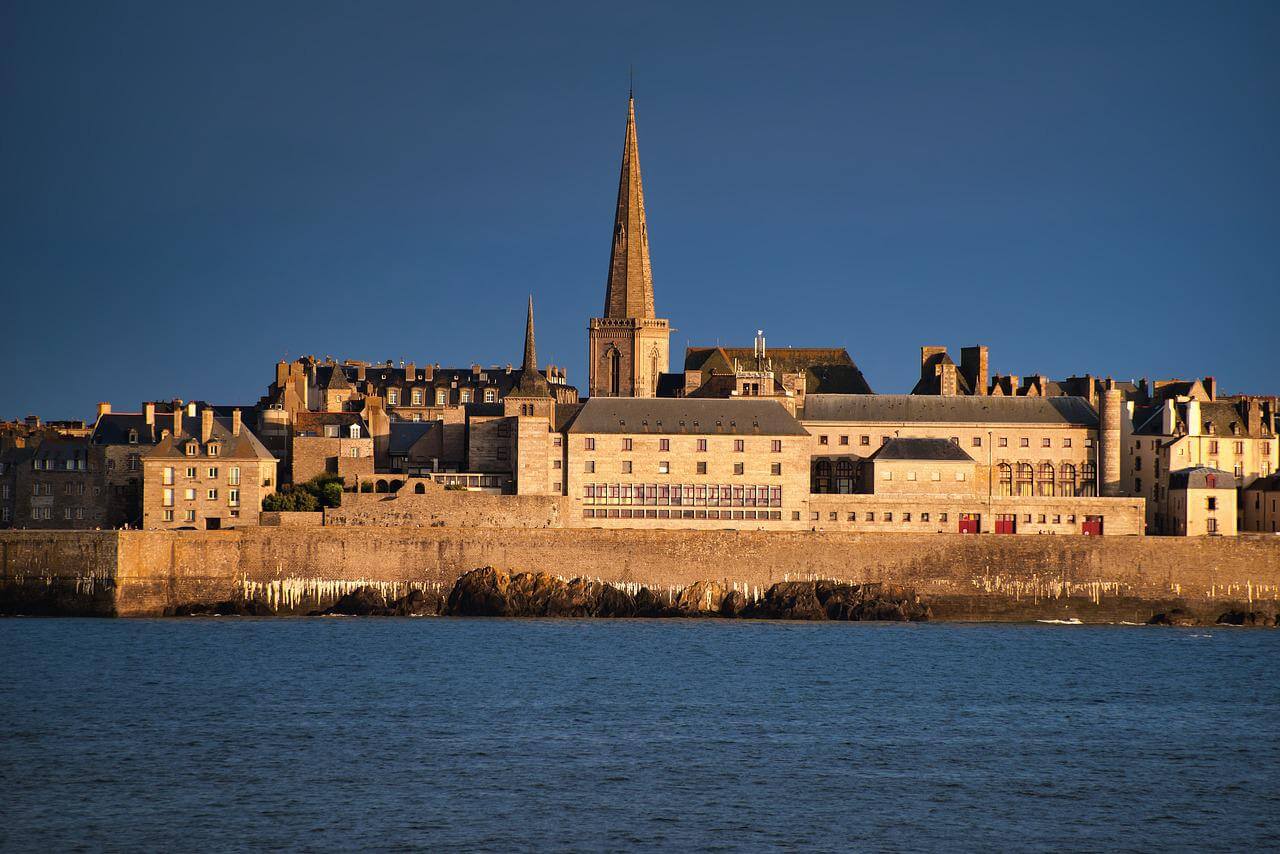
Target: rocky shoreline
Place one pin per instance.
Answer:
(489, 592)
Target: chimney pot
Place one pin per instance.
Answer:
(149, 413)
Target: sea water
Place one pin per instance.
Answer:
(500, 735)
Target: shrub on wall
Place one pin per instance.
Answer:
(323, 490)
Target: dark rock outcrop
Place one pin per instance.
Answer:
(1246, 618)
(418, 603)
(651, 603)
(733, 604)
(885, 602)
(480, 593)
(228, 608)
(788, 600)
(491, 592)
(361, 602)
(1174, 617)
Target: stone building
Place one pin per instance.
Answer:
(337, 443)
(1201, 502)
(629, 347)
(205, 472)
(56, 484)
(686, 462)
(1238, 437)
(1262, 506)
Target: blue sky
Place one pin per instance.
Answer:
(190, 191)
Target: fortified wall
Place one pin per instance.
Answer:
(964, 577)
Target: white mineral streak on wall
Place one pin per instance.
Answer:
(292, 592)
(1248, 589)
(1037, 588)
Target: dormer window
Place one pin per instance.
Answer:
(215, 448)
(466, 395)
(355, 431)
(393, 396)
(417, 397)
(192, 449)
(331, 431)
(440, 397)
(133, 437)
(490, 395)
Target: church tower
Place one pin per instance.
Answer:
(629, 347)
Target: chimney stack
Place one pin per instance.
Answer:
(177, 420)
(149, 414)
(1211, 388)
(104, 408)
(191, 409)
(974, 368)
(206, 424)
(410, 372)
(235, 422)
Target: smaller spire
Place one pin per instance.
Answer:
(531, 382)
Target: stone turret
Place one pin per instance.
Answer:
(1110, 408)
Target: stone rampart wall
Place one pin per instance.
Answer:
(138, 573)
(447, 508)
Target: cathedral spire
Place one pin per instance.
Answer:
(630, 289)
(530, 351)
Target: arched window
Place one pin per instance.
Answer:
(1025, 477)
(1006, 479)
(490, 395)
(380, 486)
(1067, 480)
(844, 476)
(822, 476)
(1044, 480)
(1088, 479)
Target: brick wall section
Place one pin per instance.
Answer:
(135, 573)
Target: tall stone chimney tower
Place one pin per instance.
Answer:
(629, 346)
(1110, 407)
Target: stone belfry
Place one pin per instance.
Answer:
(630, 346)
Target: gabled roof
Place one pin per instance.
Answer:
(242, 447)
(965, 409)
(937, 450)
(338, 380)
(1202, 477)
(827, 370)
(687, 416)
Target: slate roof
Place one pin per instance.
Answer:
(684, 415)
(313, 423)
(1198, 478)
(939, 450)
(565, 415)
(244, 446)
(113, 428)
(1271, 483)
(405, 434)
(827, 370)
(932, 409)
(1219, 419)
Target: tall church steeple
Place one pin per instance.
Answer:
(630, 290)
(629, 346)
(531, 382)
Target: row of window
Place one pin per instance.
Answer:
(213, 449)
(629, 513)
(1237, 447)
(628, 444)
(190, 515)
(976, 441)
(233, 496)
(233, 474)
(699, 495)
(50, 465)
(933, 475)
(442, 396)
(926, 516)
(664, 467)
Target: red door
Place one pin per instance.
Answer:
(1006, 524)
(970, 523)
(1092, 526)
